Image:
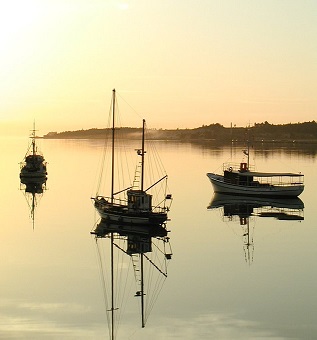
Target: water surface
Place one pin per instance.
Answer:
(50, 282)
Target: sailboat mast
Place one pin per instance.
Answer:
(113, 135)
(248, 148)
(142, 155)
(33, 209)
(112, 290)
(142, 292)
(248, 154)
(112, 195)
(33, 140)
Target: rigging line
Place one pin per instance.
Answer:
(121, 284)
(147, 289)
(119, 192)
(156, 183)
(157, 259)
(155, 172)
(155, 296)
(27, 151)
(151, 275)
(124, 301)
(124, 157)
(221, 166)
(163, 260)
(158, 248)
(155, 265)
(103, 157)
(129, 161)
(156, 156)
(135, 111)
(124, 268)
(151, 170)
(156, 292)
(137, 282)
(103, 283)
(135, 258)
(105, 150)
(119, 274)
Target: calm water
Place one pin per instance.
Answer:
(50, 276)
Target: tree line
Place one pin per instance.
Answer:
(262, 132)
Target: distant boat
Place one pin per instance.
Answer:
(34, 164)
(239, 179)
(137, 206)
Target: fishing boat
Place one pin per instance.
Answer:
(34, 164)
(138, 253)
(137, 205)
(241, 179)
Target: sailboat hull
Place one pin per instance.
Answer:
(120, 213)
(220, 186)
(125, 229)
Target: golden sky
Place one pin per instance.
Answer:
(179, 63)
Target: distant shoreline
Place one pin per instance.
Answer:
(303, 133)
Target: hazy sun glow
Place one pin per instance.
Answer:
(179, 64)
(123, 5)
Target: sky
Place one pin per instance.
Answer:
(178, 63)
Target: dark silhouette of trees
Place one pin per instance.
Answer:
(264, 132)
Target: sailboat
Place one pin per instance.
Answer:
(34, 165)
(147, 250)
(135, 221)
(137, 206)
(241, 179)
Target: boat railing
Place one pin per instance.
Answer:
(160, 209)
(279, 180)
(115, 201)
(231, 166)
(119, 202)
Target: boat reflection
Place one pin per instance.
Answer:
(242, 209)
(33, 189)
(137, 253)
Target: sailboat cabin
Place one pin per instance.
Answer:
(139, 200)
(139, 244)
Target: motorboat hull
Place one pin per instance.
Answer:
(220, 186)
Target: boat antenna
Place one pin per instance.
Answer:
(247, 151)
(248, 145)
(142, 155)
(33, 139)
(113, 135)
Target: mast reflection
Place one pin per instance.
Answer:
(145, 248)
(243, 209)
(33, 189)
